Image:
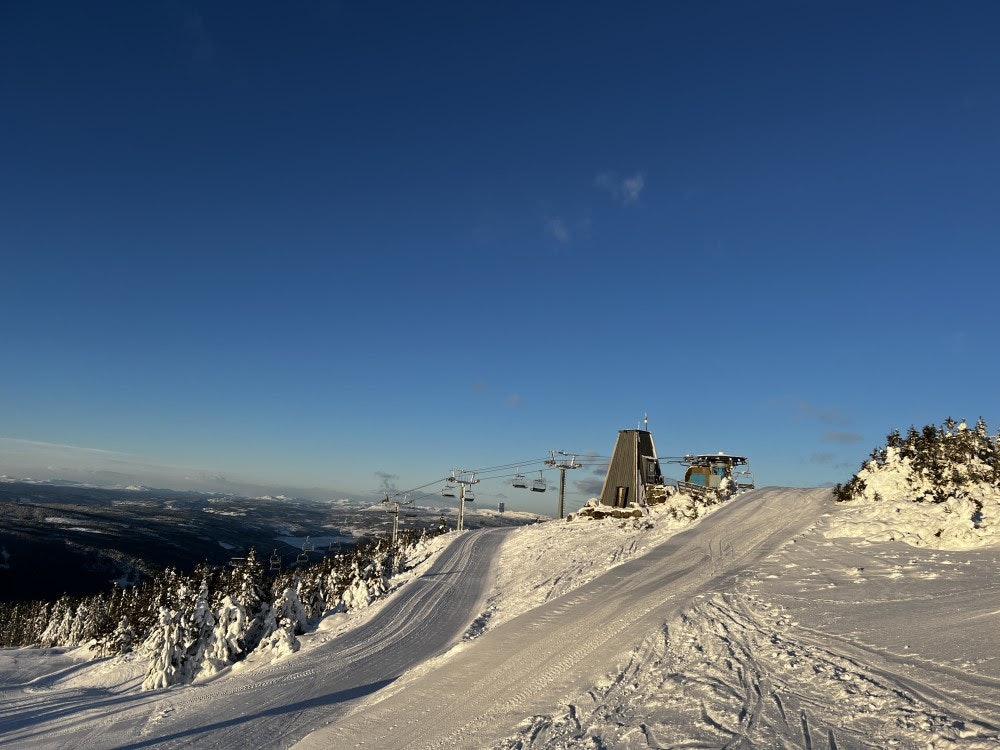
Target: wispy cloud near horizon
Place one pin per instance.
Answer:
(37, 460)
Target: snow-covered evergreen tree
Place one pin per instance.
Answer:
(166, 649)
(285, 619)
(289, 612)
(312, 593)
(251, 593)
(177, 644)
(60, 624)
(36, 620)
(223, 645)
(932, 465)
(198, 629)
(120, 641)
(187, 631)
(81, 624)
(952, 471)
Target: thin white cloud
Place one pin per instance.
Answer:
(626, 190)
(632, 187)
(557, 229)
(606, 180)
(18, 446)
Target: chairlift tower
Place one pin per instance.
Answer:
(395, 514)
(562, 466)
(462, 478)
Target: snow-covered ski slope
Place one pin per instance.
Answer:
(261, 704)
(749, 629)
(781, 619)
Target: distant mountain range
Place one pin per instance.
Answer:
(74, 465)
(79, 539)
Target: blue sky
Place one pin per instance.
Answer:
(342, 244)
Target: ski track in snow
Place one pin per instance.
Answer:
(561, 647)
(759, 664)
(760, 626)
(711, 652)
(274, 704)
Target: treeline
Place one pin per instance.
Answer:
(187, 626)
(937, 463)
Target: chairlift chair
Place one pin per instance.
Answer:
(448, 491)
(744, 480)
(470, 496)
(519, 481)
(275, 561)
(308, 546)
(538, 485)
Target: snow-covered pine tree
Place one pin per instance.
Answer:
(223, 646)
(334, 582)
(166, 651)
(379, 569)
(251, 593)
(60, 623)
(14, 618)
(119, 641)
(356, 594)
(289, 612)
(309, 586)
(285, 619)
(198, 624)
(26, 625)
(931, 465)
(82, 624)
(175, 646)
(36, 620)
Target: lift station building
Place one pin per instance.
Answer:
(633, 472)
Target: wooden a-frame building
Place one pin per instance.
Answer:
(634, 468)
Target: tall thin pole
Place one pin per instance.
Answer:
(562, 488)
(461, 504)
(562, 466)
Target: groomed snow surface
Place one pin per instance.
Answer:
(779, 619)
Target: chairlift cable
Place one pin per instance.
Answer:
(511, 465)
(583, 460)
